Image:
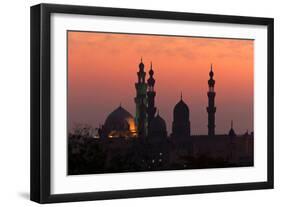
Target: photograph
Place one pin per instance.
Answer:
(154, 102)
(133, 102)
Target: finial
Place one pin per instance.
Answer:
(231, 124)
(211, 73)
(181, 95)
(141, 59)
(151, 65)
(120, 104)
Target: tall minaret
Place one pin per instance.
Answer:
(141, 102)
(211, 109)
(151, 109)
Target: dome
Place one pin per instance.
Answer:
(181, 123)
(181, 110)
(120, 123)
(157, 127)
(158, 123)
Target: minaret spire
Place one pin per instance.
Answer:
(211, 109)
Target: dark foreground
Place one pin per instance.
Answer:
(87, 155)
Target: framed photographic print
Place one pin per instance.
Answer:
(132, 103)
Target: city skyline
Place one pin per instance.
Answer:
(91, 100)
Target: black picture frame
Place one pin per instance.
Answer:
(41, 98)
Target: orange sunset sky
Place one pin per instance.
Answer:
(102, 71)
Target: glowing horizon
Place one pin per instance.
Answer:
(102, 71)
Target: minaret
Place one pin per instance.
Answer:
(211, 109)
(141, 102)
(151, 109)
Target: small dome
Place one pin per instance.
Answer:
(158, 123)
(120, 123)
(157, 127)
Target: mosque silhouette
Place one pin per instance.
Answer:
(147, 121)
(130, 144)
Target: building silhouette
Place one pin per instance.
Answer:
(127, 144)
(141, 102)
(211, 109)
(181, 123)
(120, 123)
(151, 109)
(157, 127)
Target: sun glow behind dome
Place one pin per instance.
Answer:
(120, 123)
